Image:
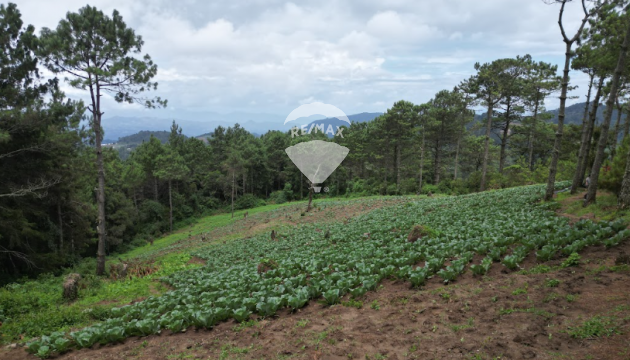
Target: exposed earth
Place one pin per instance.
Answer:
(540, 312)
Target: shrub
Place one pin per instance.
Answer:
(444, 187)
(277, 197)
(409, 186)
(611, 179)
(288, 191)
(246, 201)
(429, 187)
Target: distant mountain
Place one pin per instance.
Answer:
(126, 144)
(144, 136)
(119, 126)
(572, 114)
(359, 118)
(362, 117)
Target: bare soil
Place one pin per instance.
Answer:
(506, 315)
(503, 315)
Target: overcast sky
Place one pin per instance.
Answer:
(270, 56)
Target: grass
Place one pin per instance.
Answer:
(531, 310)
(604, 209)
(35, 306)
(538, 269)
(353, 303)
(596, 326)
(552, 282)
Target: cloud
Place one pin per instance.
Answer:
(271, 55)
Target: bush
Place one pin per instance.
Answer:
(409, 186)
(444, 187)
(246, 201)
(458, 187)
(277, 197)
(517, 175)
(611, 179)
(288, 191)
(429, 187)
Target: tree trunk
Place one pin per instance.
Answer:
(589, 139)
(310, 197)
(613, 145)
(486, 152)
(397, 169)
(155, 188)
(626, 127)
(603, 138)
(100, 199)
(233, 180)
(504, 139)
(385, 179)
(244, 177)
(532, 132)
(553, 166)
(71, 287)
(170, 205)
(624, 195)
(135, 199)
(436, 163)
(587, 133)
(421, 164)
(60, 219)
(459, 140)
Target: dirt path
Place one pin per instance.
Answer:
(502, 315)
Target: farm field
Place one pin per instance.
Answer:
(489, 275)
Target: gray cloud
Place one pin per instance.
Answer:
(269, 56)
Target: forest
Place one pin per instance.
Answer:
(64, 197)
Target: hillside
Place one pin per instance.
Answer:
(573, 114)
(362, 117)
(126, 144)
(341, 280)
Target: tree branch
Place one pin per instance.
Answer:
(38, 147)
(18, 255)
(70, 71)
(32, 189)
(564, 35)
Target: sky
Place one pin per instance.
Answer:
(271, 56)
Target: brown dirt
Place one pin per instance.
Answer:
(459, 320)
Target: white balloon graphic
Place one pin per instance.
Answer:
(317, 159)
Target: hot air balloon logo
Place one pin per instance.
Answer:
(317, 159)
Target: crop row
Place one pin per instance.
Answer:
(504, 226)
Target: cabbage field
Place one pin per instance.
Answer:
(349, 258)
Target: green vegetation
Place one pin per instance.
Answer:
(311, 266)
(552, 282)
(572, 260)
(596, 326)
(604, 209)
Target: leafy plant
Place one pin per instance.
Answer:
(572, 260)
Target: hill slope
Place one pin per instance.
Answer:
(573, 114)
(126, 144)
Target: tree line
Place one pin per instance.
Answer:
(64, 196)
